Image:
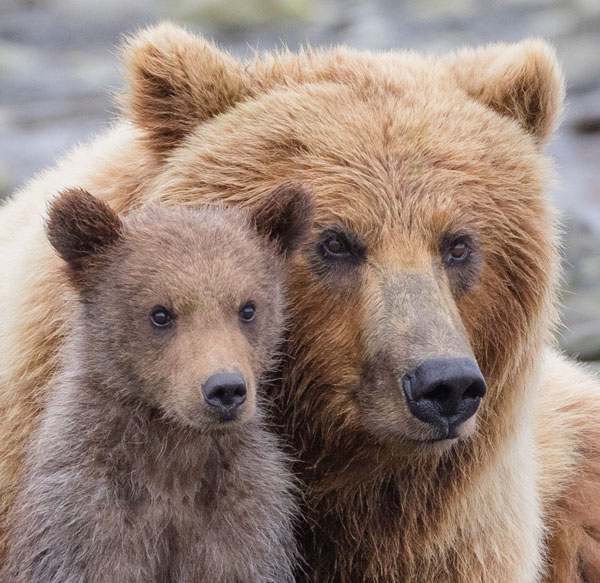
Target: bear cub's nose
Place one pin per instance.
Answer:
(444, 392)
(226, 392)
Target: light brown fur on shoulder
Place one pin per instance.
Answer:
(568, 436)
(409, 158)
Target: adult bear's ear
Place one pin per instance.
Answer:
(522, 81)
(177, 80)
(80, 226)
(285, 216)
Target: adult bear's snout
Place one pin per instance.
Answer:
(444, 392)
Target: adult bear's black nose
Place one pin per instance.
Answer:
(444, 392)
(226, 392)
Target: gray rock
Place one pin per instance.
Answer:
(580, 299)
(595, 366)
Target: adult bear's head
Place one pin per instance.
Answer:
(428, 280)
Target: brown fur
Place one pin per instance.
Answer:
(205, 90)
(82, 226)
(399, 150)
(131, 475)
(568, 432)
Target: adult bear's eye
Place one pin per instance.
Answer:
(462, 259)
(455, 250)
(459, 252)
(339, 245)
(160, 317)
(334, 245)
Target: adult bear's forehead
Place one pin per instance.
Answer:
(370, 158)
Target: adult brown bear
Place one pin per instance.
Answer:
(433, 242)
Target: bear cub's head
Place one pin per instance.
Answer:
(181, 308)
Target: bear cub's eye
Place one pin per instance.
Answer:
(248, 312)
(160, 317)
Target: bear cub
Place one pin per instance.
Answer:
(152, 462)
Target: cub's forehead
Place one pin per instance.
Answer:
(213, 246)
(192, 229)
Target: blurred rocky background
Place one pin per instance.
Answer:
(58, 68)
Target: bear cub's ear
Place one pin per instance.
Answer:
(286, 216)
(79, 226)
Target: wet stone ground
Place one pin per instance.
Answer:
(58, 69)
